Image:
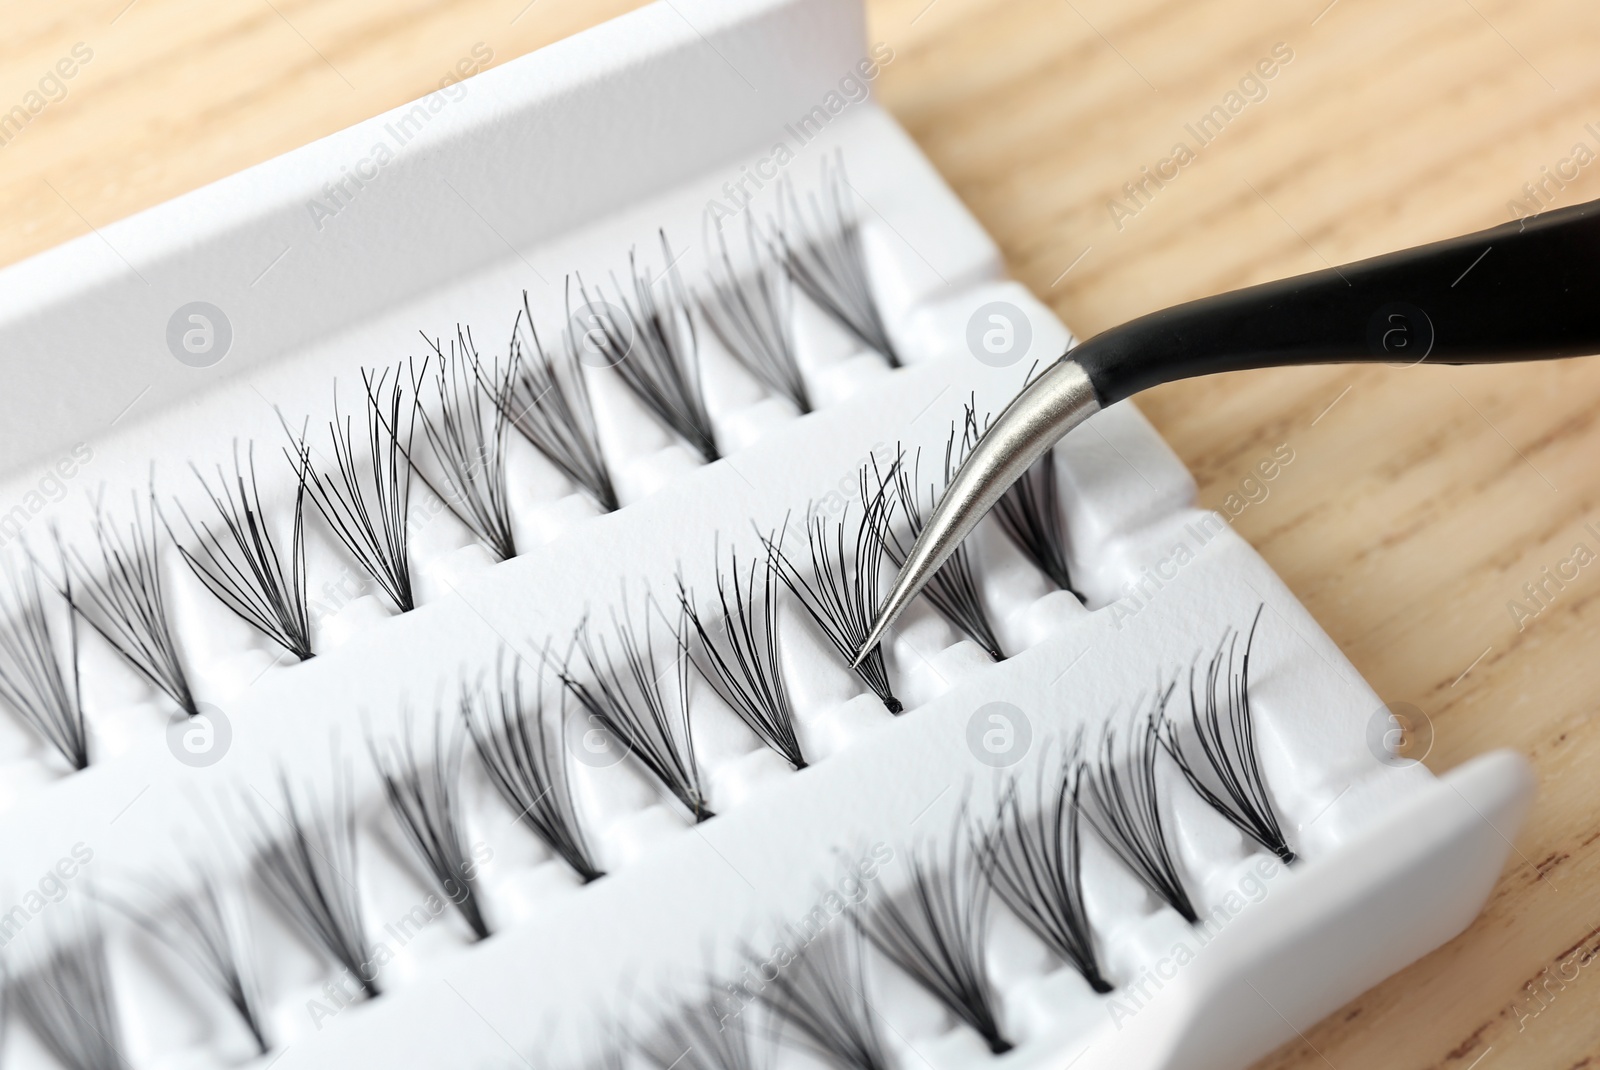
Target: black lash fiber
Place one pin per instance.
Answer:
(1127, 806)
(623, 693)
(840, 592)
(751, 313)
(308, 868)
(68, 1002)
(242, 565)
(738, 655)
(1228, 743)
(425, 799)
(939, 933)
(365, 499)
(1030, 513)
(526, 759)
(1034, 860)
(546, 399)
(468, 443)
(821, 996)
(195, 925)
(823, 255)
(699, 1034)
(129, 599)
(38, 675)
(657, 352)
(953, 590)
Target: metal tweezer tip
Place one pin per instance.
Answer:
(1058, 400)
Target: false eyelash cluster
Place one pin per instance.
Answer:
(443, 419)
(953, 591)
(837, 574)
(840, 588)
(1029, 512)
(838, 579)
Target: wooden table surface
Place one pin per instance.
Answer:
(1419, 501)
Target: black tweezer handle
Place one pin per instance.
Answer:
(1528, 290)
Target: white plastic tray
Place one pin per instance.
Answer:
(562, 161)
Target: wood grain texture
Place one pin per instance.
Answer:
(1419, 501)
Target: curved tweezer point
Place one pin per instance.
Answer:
(1053, 404)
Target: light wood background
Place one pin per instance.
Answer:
(1419, 501)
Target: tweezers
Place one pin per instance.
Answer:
(1527, 290)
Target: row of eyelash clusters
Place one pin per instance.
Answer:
(364, 494)
(936, 931)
